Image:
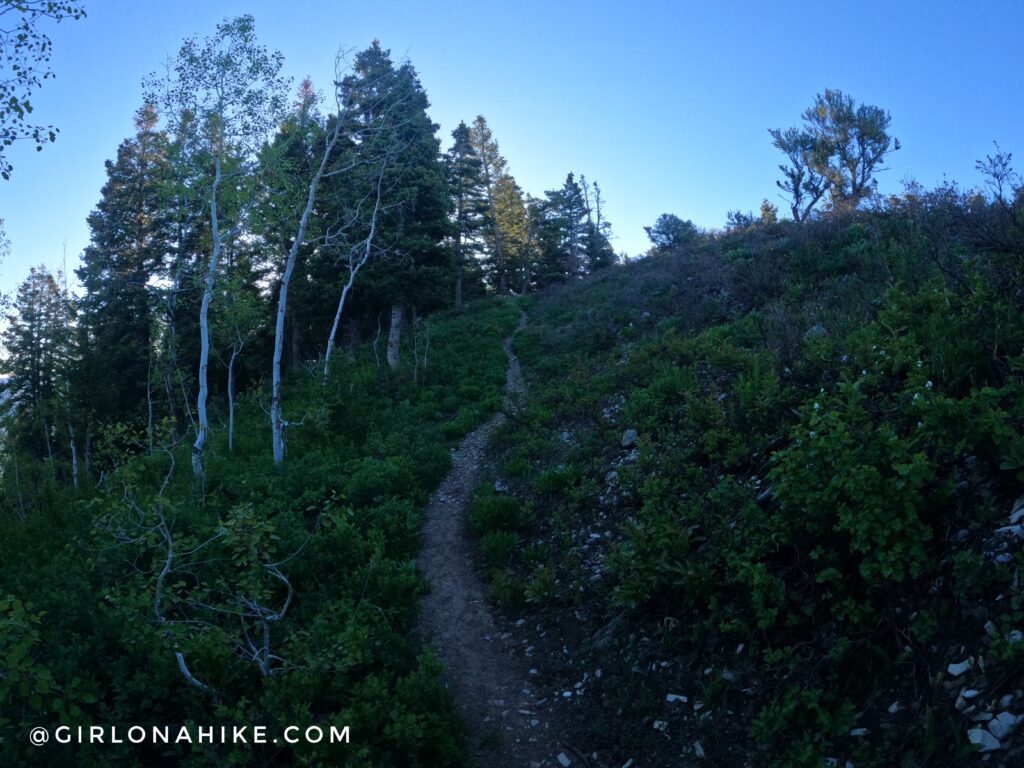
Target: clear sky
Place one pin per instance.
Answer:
(665, 104)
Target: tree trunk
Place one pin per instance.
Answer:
(458, 269)
(277, 422)
(204, 328)
(235, 350)
(395, 335)
(353, 270)
(74, 462)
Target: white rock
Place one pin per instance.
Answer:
(563, 760)
(1006, 701)
(1014, 637)
(894, 708)
(985, 740)
(628, 763)
(629, 438)
(859, 732)
(698, 749)
(982, 717)
(1016, 530)
(959, 668)
(1003, 725)
(660, 725)
(970, 693)
(1017, 515)
(991, 630)
(676, 697)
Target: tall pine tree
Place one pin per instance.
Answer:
(131, 235)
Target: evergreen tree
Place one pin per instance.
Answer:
(598, 247)
(560, 221)
(130, 234)
(513, 224)
(494, 169)
(469, 197)
(414, 215)
(40, 351)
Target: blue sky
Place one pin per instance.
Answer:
(665, 104)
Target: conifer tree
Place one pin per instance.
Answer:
(40, 352)
(414, 210)
(130, 237)
(469, 196)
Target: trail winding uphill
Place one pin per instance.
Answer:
(507, 719)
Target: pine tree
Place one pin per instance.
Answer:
(40, 352)
(130, 235)
(513, 224)
(469, 196)
(414, 216)
(598, 247)
(494, 168)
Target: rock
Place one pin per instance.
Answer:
(629, 438)
(1003, 725)
(1016, 530)
(698, 749)
(1015, 636)
(500, 486)
(1006, 701)
(673, 697)
(660, 725)
(991, 630)
(984, 740)
(894, 708)
(563, 760)
(1017, 515)
(816, 331)
(961, 536)
(959, 668)
(970, 693)
(982, 717)
(856, 732)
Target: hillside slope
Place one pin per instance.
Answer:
(760, 508)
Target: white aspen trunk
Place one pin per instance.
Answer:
(277, 422)
(353, 271)
(235, 350)
(74, 462)
(394, 335)
(204, 328)
(49, 449)
(74, 450)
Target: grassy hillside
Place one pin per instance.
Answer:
(753, 500)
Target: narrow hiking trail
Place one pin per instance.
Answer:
(508, 720)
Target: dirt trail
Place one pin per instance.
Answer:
(507, 719)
